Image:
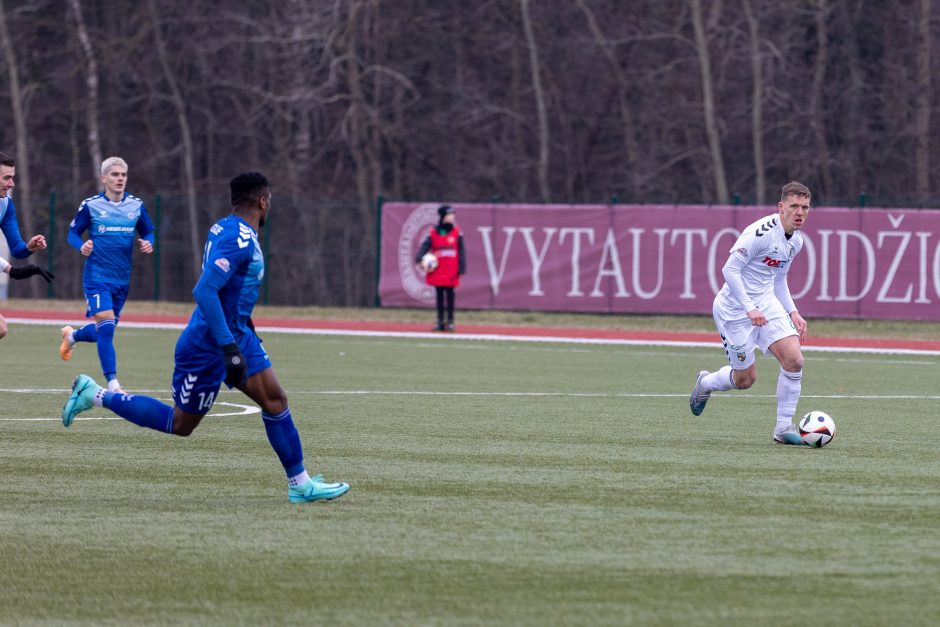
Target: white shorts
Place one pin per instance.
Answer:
(740, 337)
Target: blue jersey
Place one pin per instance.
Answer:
(111, 226)
(232, 267)
(11, 229)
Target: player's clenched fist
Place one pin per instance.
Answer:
(87, 247)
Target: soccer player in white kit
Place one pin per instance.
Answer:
(754, 309)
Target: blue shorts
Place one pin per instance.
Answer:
(200, 372)
(102, 297)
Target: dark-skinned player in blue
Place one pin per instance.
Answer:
(219, 345)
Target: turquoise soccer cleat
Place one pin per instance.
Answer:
(788, 435)
(699, 397)
(84, 389)
(316, 490)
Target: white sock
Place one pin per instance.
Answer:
(789, 385)
(99, 398)
(718, 381)
(71, 337)
(300, 479)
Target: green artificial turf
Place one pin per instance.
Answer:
(492, 483)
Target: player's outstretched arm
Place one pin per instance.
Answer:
(11, 229)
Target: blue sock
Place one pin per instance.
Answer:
(141, 410)
(284, 439)
(88, 333)
(106, 349)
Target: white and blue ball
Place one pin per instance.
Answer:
(817, 428)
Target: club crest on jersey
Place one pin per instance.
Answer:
(741, 356)
(223, 264)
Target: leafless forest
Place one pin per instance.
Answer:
(340, 101)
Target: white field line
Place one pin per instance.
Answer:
(493, 338)
(243, 409)
(248, 409)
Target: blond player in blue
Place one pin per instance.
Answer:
(219, 345)
(113, 220)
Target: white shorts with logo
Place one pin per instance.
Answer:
(740, 337)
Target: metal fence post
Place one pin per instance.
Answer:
(50, 244)
(156, 247)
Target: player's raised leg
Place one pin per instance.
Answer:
(264, 388)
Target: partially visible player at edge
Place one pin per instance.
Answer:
(754, 309)
(219, 344)
(11, 229)
(111, 219)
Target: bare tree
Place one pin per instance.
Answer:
(757, 104)
(922, 105)
(179, 103)
(630, 147)
(540, 107)
(708, 104)
(817, 96)
(91, 84)
(19, 123)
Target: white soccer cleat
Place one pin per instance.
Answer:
(788, 435)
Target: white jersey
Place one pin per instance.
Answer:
(758, 266)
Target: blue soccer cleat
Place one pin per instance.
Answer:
(699, 397)
(316, 489)
(788, 435)
(84, 390)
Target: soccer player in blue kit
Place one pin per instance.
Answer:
(219, 345)
(111, 219)
(11, 231)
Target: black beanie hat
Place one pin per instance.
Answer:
(443, 210)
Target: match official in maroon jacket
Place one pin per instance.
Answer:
(443, 258)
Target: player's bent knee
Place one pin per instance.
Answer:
(185, 424)
(793, 364)
(743, 381)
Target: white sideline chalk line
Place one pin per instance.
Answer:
(245, 410)
(500, 338)
(248, 409)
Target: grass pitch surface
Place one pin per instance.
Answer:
(492, 483)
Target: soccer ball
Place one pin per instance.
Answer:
(817, 429)
(429, 262)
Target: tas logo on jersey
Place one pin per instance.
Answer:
(223, 264)
(773, 263)
(766, 227)
(216, 229)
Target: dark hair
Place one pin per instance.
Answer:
(247, 188)
(6, 160)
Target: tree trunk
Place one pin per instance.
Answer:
(757, 104)
(189, 177)
(819, 85)
(91, 85)
(708, 104)
(23, 195)
(922, 112)
(540, 108)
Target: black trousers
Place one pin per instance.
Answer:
(441, 292)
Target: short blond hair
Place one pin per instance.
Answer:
(794, 188)
(110, 162)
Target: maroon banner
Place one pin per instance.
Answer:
(855, 263)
